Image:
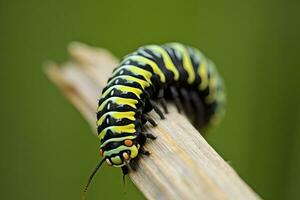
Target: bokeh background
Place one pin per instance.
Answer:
(47, 150)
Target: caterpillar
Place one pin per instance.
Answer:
(142, 82)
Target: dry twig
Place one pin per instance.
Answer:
(182, 165)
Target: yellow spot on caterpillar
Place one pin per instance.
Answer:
(133, 151)
(116, 160)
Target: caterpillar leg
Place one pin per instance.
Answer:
(198, 104)
(176, 98)
(134, 163)
(162, 100)
(187, 103)
(157, 109)
(144, 151)
(150, 136)
(125, 171)
(147, 118)
(142, 137)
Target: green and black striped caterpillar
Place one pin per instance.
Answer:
(145, 79)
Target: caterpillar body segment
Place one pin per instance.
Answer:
(142, 82)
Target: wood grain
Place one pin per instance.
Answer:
(182, 165)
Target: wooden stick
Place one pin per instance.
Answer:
(182, 165)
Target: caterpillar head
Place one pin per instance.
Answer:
(118, 152)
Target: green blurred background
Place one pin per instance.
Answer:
(47, 150)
